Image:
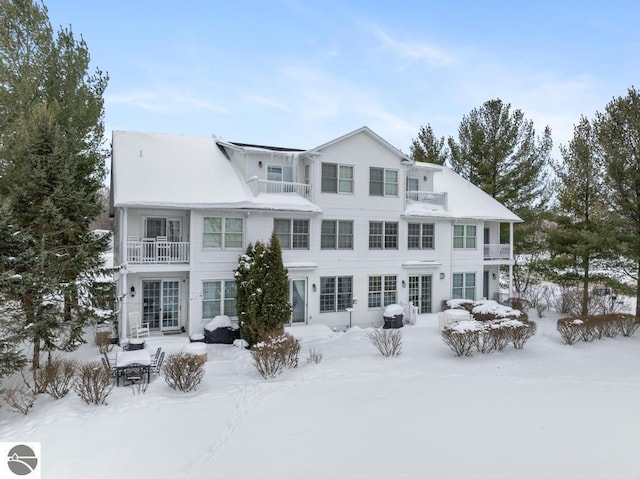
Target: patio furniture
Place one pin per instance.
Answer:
(133, 344)
(155, 357)
(158, 366)
(136, 327)
(196, 338)
(393, 315)
(132, 365)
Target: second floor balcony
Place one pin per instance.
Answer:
(156, 251)
(427, 198)
(497, 252)
(271, 186)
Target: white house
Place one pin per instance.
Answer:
(356, 218)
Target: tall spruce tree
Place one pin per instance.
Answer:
(51, 170)
(262, 286)
(579, 239)
(618, 134)
(428, 148)
(498, 151)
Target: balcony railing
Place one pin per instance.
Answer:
(497, 251)
(428, 197)
(267, 186)
(157, 252)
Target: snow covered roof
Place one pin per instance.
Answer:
(176, 171)
(464, 200)
(368, 131)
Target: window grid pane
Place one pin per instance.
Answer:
(329, 182)
(375, 235)
(375, 290)
(300, 234)
(344, 292)
(391, 183)
(282, 229)
(391, 235)
(376, 182)
(390, 290)
(346, 179)
(345, 234)
(328, 234)
(327, 294)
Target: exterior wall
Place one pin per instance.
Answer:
(362, 152)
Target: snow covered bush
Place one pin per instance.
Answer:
(275, 353)
(103, 341)
(600, 326)
(462, 336)
(93, 383)
(314, 357)
(19, 396)
(183, 371)
(58, 376)
(387, 341)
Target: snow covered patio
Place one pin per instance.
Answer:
(549, 410)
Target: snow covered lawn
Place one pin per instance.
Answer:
(547, 411)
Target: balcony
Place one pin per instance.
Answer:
(157, 251)
(270, 186)
(497, 251)
(427, 198)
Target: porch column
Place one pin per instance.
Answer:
(124, 290)
(511, 259)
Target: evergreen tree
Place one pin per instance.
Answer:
(52, 169)
(497, 150)
(262, 297)
(618, 134)
(429, 149)
(578, 240)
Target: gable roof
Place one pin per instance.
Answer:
(366, 130)
(464, 200)
(176, 171)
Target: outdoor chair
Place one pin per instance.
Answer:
(136, 328)
(105, 363)
(155, 357)
(155, 369)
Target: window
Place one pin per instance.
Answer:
(383, 235)
(383, 291)
(280, 173)
(159, 227)
(336, 293)
(336, 234)
(218, 297)
(383, 182)
(464, 286)
(420, 236)
(413, 186)
(292, 234)
(464, 236)
(222, 232)
(337, 178)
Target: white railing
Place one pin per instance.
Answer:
(267, 186)
(410, 312)
(497, 251)
(428, 197)
(153, 252)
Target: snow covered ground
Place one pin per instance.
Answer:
(548, 411)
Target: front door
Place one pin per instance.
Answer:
(298, 299)
(161, 304)
(420, 292)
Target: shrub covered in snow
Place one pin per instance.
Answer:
(93, 383)
(588, 328)
(463, 337)
(274, 353)
(387, 341)
(183, 371)
(315, 356)
(19, 396)
(57, 376)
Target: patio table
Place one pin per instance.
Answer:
(137, 360)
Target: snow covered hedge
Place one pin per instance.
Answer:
(600, 326)
(493, 328)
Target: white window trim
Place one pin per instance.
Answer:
(223, 242)
(222, 298)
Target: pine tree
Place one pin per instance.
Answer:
(51, 118)
(497, 150)
(429, 149)
(618, 134)
(262, 297)
(579, 239)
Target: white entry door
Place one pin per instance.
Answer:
(161, 304)
(420, 292)
(298, 300)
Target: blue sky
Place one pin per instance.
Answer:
(300, 73)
